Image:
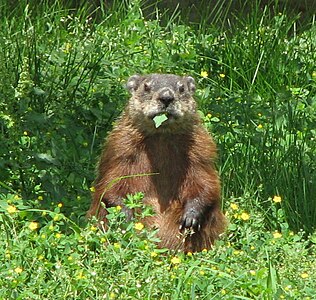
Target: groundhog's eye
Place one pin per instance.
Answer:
(181, 87)
(147, 87)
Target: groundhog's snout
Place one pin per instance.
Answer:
(166, 96)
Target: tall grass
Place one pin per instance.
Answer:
(62, 86)
(64, 69)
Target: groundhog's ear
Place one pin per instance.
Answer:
(191, 84)
(133, 83)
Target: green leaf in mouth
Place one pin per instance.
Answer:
(159, 119)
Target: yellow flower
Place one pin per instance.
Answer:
(175, 260)
(80, 275)
(25, 132)
(314, 74)
(117, 245)
(277, 235)
(222, 75)
(60, 205)
(139, 226)
(189, 253)
(92, 189)
(7, 254)
(58, 235)
(304, 275)
(260, 126)
(259, 115)
(118, 208)
(67, 48)
(204, 250)
(204, 74)
(244, 216)
(93, 228)
(57, 217)
(153, 254)
(112, 296)
(40, 198)
(252, 272)
(234, 206)
(33, 225)
(18, 270)
(202, 273)
(277, 199)
(11, 209)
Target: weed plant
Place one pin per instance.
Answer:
(63, 72)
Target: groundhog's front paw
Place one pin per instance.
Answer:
(191, 219)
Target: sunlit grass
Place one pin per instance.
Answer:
(63, 73)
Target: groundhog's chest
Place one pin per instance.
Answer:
(168, 160)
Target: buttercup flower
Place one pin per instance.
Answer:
(33, 225)
(277, 235)
(175, 260)
(18, 270)
(139, 226)
(204, 74)
(11, 209)
(117, 245)
(304, 275)
(277, 199)
(153, 254)
(234, 206)
(222, 75)
(244, 216)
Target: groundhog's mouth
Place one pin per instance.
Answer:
(162, 118)
(169, 115)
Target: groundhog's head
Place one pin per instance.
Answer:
(161, 94)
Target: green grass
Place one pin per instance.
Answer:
(62, 77)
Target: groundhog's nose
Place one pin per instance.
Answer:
(166, 97)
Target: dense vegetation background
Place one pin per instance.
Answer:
(62, 86)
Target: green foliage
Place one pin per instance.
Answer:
(63, 73)
(46, 255)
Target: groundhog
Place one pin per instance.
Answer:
(183, 188)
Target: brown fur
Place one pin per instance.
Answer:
(186, 191)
